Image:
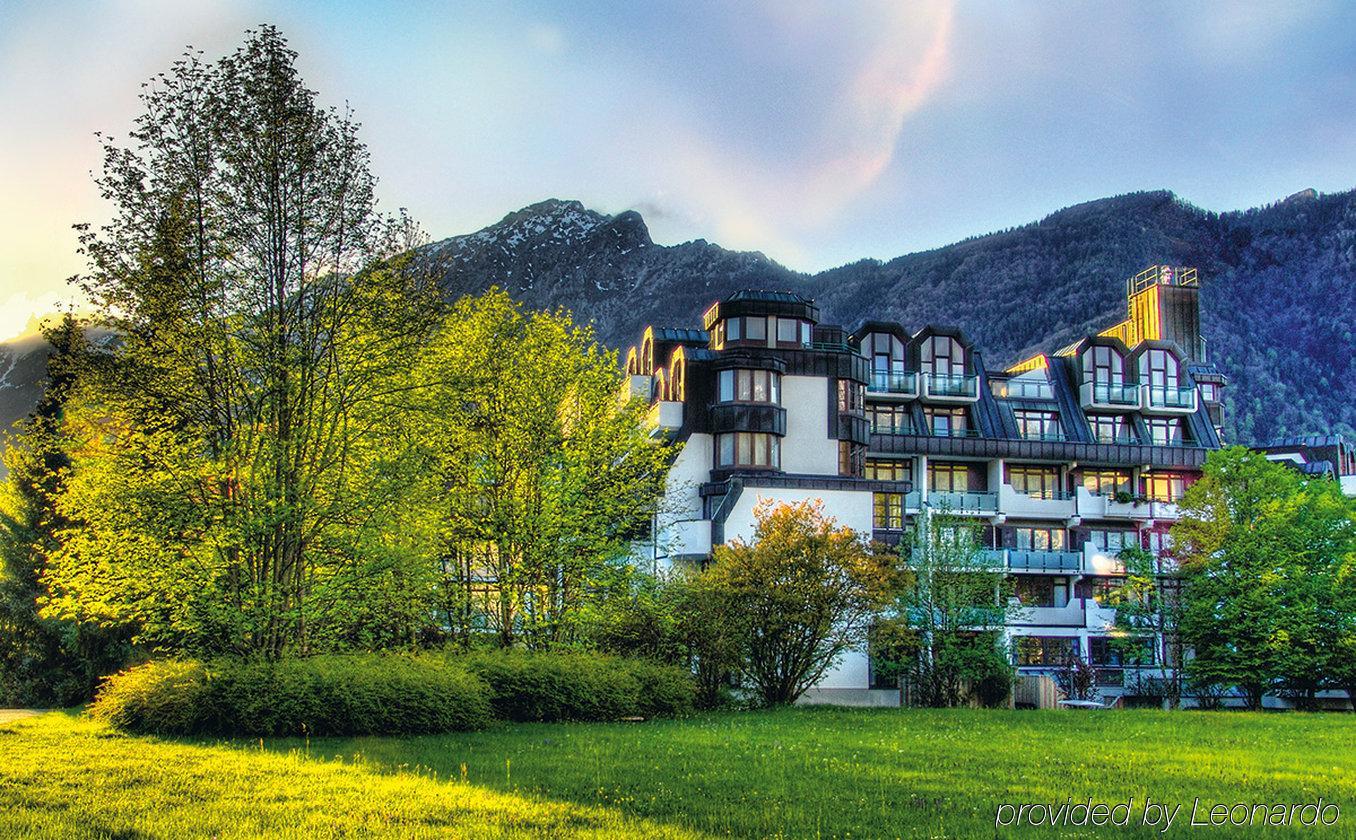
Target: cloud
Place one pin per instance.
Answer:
(894, 60)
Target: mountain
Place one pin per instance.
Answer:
(1278, 287)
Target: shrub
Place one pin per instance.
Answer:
(579, 686)
(364, 694)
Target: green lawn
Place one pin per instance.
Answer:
(792, 773)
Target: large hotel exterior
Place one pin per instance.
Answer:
(1063, 459)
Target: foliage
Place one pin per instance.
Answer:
(794, 600)
(797, 772)
(942, 635)
(1076, 679)
(321, 695)
(1266, 558)
(230, 490)
(528, 686)
(44, 661)
(1149, 612)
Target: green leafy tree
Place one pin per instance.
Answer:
(542, 478)
(1263, 552)
(236, 478)
(944, 637)
(796, 599)
(43, 661)
(1148, 616)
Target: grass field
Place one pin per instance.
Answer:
(791, 773)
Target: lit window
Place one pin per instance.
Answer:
(888, 511)
(949, 478)
(851, 397)
(851, 459)
(1164, 487)
(1106, 482)
(1040, 539)
(881, 469)
(1039, 482)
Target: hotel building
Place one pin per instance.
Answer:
(1061, 460)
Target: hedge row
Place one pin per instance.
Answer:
(372, 694)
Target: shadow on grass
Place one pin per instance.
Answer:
(62, 775)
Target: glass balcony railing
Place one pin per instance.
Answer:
(1046, 495)
(1046, 435)
(1045, 561)
(952, 385)
(1109, 393)
(892, 428)
(1167, 396)
(957, 501)
(954, 432)
(886, 382)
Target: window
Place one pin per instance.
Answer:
(1160, 542)
(1165, 431)
(1039, 482)
(949, 478)
(755, 329)
(1104, 364)
(885, 351)
(748, 449)
(734, 329)
(1108, 652)
(851, 459)
(793, 331)
(1164, 487)
(943, 355)
(1112, 542)
(1210, 391)
(946, 422)
(763, 386)
(1158, 368)
(1042, 591)
(1046, 650)
(1106, 482)
(880, 469)
(1040, 539)
(1109, 428)
(1038, 425)
(890, 419)
(888, 511)
(851, 397)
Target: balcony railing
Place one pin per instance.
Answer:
(952, 385)
(1045, 561)
(885, 382)
(1054, 436)
(959, 502)
(892, 428)
(953, 432)
(1170, 398)
(1110, 393)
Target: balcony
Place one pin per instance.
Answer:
(1095, 506)
(1165, 510)
(913, 501)
(903, 427)
(963, 503)
(1161, 399)
(952, 388)
(1109, 396)
(684, 538)
(1032, 560)
(993, 558)
(887, 385)
(1069, 615)
(1055, 505)
(665, 417)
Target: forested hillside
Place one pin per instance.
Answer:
(1279, 287)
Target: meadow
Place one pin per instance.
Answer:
(786, 773)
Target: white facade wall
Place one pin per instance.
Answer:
(680, 525)
(807, 448)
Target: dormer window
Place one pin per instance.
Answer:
(885, 351)
(1103, 365)
(1158, 368)
(758, 386)
(793, 332)
(943, 355)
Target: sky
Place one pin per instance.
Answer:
(818, 133)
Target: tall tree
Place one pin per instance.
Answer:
(43, 661)
(542, 476)
(223, 486)
(944, 633)
(1263, 553)
(1148, 622)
